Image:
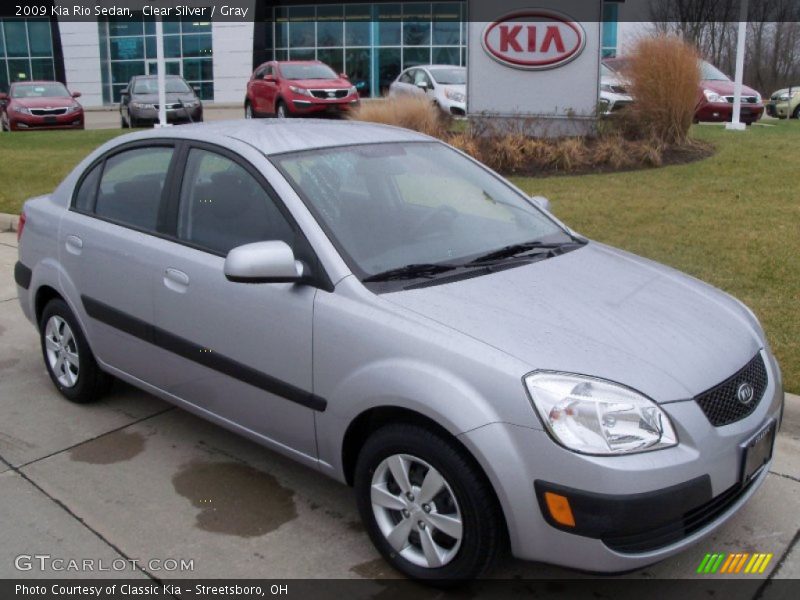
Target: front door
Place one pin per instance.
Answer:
(241, 352)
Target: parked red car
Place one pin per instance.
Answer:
(298, 88)
(40, 105)
(714, 96)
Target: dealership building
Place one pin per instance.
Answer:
(370, 41)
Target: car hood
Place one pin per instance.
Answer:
(171, 97)
(321, 84)
(52, 102)
(602, 312)
(725, 88)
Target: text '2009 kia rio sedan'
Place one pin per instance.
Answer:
(378, 306)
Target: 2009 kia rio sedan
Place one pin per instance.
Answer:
(382, 308)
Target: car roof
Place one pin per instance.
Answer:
(34, 82)
(279, 136)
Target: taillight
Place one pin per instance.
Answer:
(21, 225)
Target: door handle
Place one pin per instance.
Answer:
(176, 280)
(74, 244)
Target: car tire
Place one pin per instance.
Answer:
(122, 122)
(281, 110)
(132, 122)
(796, 113)
(67, 356)
(465, 504)
(249, 113)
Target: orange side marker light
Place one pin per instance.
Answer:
(559, 508)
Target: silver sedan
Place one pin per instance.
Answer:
(378, 306)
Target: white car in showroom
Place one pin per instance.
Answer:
(445, 85)
(614, 93)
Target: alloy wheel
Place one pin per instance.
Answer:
(281, 111)
(248, 111)
(416, 511)
(62, 351)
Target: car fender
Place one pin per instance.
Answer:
(435, 393)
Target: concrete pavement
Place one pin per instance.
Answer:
(132, 478)
(109, 118)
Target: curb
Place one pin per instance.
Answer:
(8, 222)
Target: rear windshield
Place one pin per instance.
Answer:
(150, 86)
(39, 90)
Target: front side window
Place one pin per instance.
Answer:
(132, 185)
(222, 206)
(388, 206)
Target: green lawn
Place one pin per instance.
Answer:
(732, 220)
(35, 162)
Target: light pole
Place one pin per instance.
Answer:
(162, 77)
(736, 122)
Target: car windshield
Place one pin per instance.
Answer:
(150, 86)
(387, 206)
(606, 72)
(307, 71)
(39, 90)
(450, 76)
(709, 72)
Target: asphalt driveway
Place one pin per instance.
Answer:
(132, 478)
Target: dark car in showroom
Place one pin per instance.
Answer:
(298, 88)
(139, 106)
(40, 105)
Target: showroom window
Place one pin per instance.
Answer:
(128, 48)
(371, 42)
(26, 51)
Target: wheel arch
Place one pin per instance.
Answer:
(44, 294)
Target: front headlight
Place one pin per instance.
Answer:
(352, 91)
(191, 104)
(301, 91)
(454, 95)
(22, 110)
(713, 96)
(73, 109)
(594, 416)
(606, 87)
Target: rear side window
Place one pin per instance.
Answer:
(84, 199)
(132, 185)
(222, 206)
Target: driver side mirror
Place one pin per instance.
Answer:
(423, 85)
(263, 262)
(541, 202)
(270, 78)
(344, 76)
(76, 94)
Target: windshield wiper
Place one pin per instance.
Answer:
(410, 272)
(517, 249)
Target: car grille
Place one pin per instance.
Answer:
(745, 99)
(169, 106)
(330, 94)
(619, 89)
(620, 104)
(48, 112)
(671, 533)
(721, 405)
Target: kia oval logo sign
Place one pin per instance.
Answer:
(534, 39)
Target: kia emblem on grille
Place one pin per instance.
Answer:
(745, 393)
(331, 94)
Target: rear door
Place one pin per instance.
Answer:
(241, 352)
(107, 247)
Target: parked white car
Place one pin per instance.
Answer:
(613, 92)
(445, 85)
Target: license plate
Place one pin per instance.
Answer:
(50, 120)
(757, 451)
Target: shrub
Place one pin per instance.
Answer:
(410, 112)
(664, 75)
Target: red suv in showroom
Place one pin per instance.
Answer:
(298, 88)
(40, 105)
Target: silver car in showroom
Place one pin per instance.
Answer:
(382, 308)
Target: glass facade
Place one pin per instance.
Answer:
(128, 48)
(371, 42)
(26, 51)
(610, 29)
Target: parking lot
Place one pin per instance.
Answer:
(133, 478)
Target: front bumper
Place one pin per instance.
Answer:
(174, 115)
(20, 122)
(718, 112)
(704, 471)
(305, 106)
